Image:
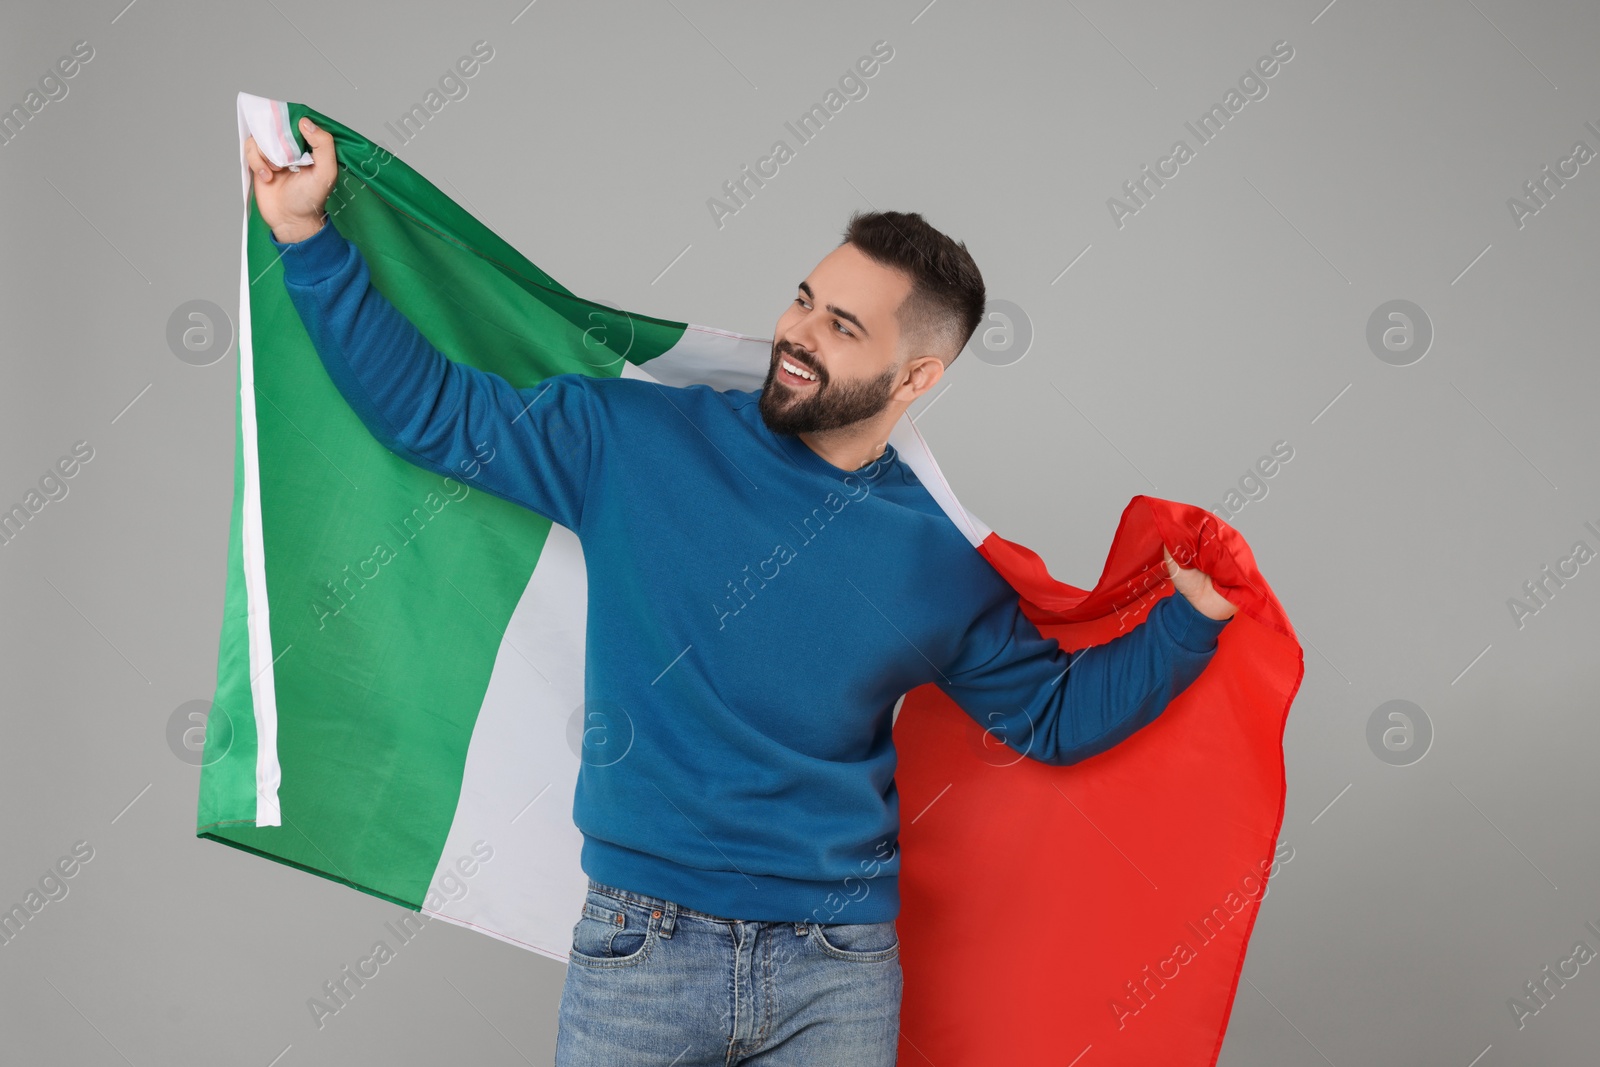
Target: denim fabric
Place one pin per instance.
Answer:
(650, 982)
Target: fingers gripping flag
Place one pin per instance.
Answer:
(423, 749)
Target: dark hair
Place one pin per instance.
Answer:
(945, 304)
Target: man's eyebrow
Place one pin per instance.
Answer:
(805, 287)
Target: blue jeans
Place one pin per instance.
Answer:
(652, 983)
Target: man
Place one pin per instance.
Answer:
(766, 580)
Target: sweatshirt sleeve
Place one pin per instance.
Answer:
(1060, 709)
(531, 446)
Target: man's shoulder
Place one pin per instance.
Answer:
(630, 392)
(630, 403)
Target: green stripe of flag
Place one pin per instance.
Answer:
(389, 586)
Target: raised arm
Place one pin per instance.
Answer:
(1061, 709)
(532, 446)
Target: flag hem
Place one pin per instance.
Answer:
(258, 620)
(207, 834)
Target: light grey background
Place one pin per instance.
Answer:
(1228, 314)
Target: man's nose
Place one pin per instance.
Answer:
(801, 337)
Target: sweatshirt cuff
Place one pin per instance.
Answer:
(315, 259)
(1189, 627)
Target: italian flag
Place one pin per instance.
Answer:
(400, 677)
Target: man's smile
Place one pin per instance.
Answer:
(795, 374)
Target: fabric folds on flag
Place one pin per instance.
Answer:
(401, 658)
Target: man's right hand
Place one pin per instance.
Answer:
(292, 202)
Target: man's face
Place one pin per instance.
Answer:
(842, 329)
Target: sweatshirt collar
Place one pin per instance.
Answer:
(802, 454)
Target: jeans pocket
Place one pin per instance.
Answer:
(861, 942)
(613, 933)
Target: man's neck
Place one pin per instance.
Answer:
(850, 450)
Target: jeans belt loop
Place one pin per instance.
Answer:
(669, 917)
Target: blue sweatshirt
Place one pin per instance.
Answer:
(754, 613)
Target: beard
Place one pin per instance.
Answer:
(822, 407)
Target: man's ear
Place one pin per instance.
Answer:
(924, 373)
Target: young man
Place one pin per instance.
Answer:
(767, 579)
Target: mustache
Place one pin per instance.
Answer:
(786, 349)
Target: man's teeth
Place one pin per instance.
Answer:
(798, 371)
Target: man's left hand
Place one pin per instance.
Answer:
(1196, 585)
